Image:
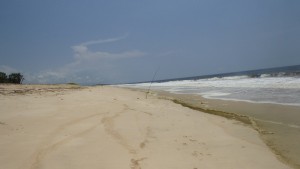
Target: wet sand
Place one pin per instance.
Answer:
(278, 125)
(61, 127)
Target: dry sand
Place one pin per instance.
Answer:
(61, 127)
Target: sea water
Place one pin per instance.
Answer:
(278, 88)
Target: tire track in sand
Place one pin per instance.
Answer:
(48, 146)
(108, 123)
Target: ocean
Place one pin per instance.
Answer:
(276, 85)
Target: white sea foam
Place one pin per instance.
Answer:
(213, 94)
(265, 89)
(240, 81)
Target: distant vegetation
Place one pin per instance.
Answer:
(15, 78)
(72, 83)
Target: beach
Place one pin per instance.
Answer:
(277, 124)
(68, 126)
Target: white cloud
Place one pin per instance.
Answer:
(92, 42)
(82, 52)
(97, 65)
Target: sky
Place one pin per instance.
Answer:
(117, 41)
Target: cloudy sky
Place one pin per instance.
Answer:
(117, 41)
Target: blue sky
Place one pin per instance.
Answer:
(116, 41)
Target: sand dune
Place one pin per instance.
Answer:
(106, 127)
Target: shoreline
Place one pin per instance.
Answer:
(282, 141)
(250, 101)
(45, 127)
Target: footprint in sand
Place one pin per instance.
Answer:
(143, 144)
(135, 164)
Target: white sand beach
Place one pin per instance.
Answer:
(65, 127)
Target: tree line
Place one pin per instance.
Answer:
(16, 78)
